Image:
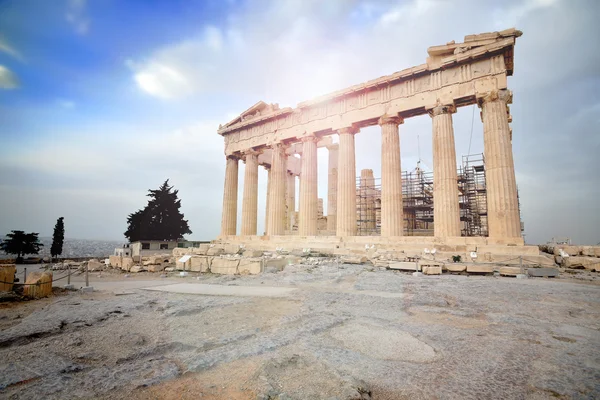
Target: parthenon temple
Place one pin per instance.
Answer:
(361, 213)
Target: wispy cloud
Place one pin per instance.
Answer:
(8, 49)
(8, 79)
(76, 15)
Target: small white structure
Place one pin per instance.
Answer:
(124, 251)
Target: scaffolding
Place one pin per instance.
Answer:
(473, 196)
(417, 197)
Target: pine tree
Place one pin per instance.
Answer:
(58, 238)
(21, 243)
(160, 219)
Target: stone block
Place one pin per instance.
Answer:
(38, 284)
(404, 266)
(225, 266)
(429, 263)
(232, 249)
(183, 266)
(136, 268)
(570, 250)
(214, 251)
(480, 269)
(543, 272)
(200, 263)
(455, 267)
(95, 265)
(252, 253)
(510, 271)
(354, 259)
(126, 263)
(114, 261)
(432, 270)
(155, 268)
(589, 263)
(278, 263)
(249, 266)
(7, 274)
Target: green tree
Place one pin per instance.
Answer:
(160, 219)
(21, 243)
(58, 238)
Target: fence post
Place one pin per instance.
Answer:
(24, 275)
(87, 280)
(521, 264)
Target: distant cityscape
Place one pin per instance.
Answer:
(78, 248)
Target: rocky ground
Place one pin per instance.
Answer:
(346, 332)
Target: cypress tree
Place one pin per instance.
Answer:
(58, 238)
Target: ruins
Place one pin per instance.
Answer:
(285, 142)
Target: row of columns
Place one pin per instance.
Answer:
(503, 211)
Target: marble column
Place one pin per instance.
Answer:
(307, 224)
(367, 202)
(250, 198)
(276, 223)
(290, 200)
(346, 188)
(268, 168)
(229, 217)
(446, 212)
(392, 220)
(332, 177)
(501, 184)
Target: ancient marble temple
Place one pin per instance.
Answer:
(285, 142)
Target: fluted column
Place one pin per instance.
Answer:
(276, 223)
(229, 216)
(346, 188)
(501, 184)
(392, 221)
(290, 200)
(332, 177)
(307, 224)
(268, 168)
(250, 198)
(446, 213)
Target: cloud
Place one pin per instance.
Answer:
(8, 79)
(8, 49)
(66, 104)
(76, 16)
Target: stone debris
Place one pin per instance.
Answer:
(38, 284)
(432, 270)
(404, 266)
(510, 271)
(353, 259)
(589, 263)
(543, 272)
(7, 274)
(480, 269)
(455, 267)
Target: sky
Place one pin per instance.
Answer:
(101, 100)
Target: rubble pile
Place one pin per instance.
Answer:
(574, 257)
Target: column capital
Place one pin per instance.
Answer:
(390, 119)
(235, 157)
(333, 146)
(348, 130)
(282, 145)
(252, 152)
(503, 94)
(309, 138)
(442, 109)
